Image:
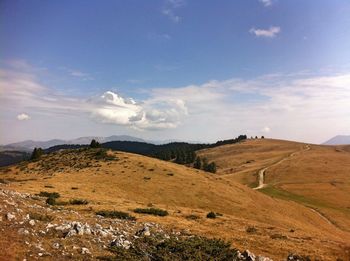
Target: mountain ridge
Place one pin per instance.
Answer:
(338, 140)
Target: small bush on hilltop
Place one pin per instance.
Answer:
(152, 211)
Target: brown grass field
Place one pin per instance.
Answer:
(305, 209)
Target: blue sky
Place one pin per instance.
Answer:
(239, 66)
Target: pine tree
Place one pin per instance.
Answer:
(197, 163)
(36, 154)
(204, 164)
(211, 167)
(94, 144)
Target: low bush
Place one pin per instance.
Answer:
(251, 230)
(211, 215)
(51, 201)
(115, 214)
(189, 248)
(78, 201)
(49, 194)
(152, 211)
(192, 217)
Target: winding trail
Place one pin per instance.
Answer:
(262, 184)
(261, 172)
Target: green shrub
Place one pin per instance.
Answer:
(211, 215)
(152, 211)
(189, 248)
(115, 214)
(78, 202)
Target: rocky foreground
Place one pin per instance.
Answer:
(31, 230)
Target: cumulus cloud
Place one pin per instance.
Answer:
(23, 117)
(269, 33)
(266, 2)
(150, 114)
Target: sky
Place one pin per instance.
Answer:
(194, 70)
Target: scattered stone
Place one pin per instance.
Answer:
(32, 222)
(249, 256)
(85, 251)
(10, 216)
(56, 245)
(23, 231)
(144, 232)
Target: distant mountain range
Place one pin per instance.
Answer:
(338, 140)
(29, 145)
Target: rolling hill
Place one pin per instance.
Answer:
(315, 176)
(250, 219)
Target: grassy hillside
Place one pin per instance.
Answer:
(123, 182)
(318, 177)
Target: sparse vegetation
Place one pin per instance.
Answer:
(192, 217)
(115, 214)
(48, 194)
(192, 248)
(152, 211)
(40, 217)
(78, 202)
(251, 230)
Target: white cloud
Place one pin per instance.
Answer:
(170, 7)
(292, 105)
(150, 114)
(23, 117)
(266, 2)
(266, 129)
(81, 75)
(269, 33)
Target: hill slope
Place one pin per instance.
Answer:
(314, 176)
(129, 181)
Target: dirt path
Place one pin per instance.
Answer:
(261, 173)
(262, 184)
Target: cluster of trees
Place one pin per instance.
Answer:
(36, 154)
(178, 152)
(204, 165)
(95, 144)
(230, 141)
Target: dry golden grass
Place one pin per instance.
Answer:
(137, 181)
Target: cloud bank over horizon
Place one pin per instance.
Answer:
(289, 106)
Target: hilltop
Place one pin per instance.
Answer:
(123, 181)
